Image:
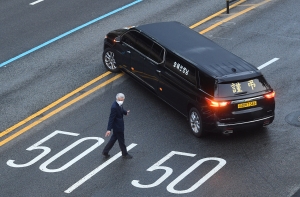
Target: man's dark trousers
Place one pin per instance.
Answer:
(116, 136)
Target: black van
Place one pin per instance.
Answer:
(209, 85)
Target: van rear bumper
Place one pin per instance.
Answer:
(239, 125)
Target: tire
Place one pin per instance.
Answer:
(109, 60)
(196, 122)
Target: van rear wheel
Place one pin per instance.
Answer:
(109, 60)
(196, 122)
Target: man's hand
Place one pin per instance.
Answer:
(107, 133)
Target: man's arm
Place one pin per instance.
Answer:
(112, 116)
(126, 112)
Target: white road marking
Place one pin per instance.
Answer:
(35, 2)
(268, 63)
(157, 166)
(96, 170)
(171, 186)
(44, 165)
(37, 146)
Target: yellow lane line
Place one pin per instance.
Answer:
(10, 129)
(216, 14)
(59, 109)
(232, 17)
(248, 4)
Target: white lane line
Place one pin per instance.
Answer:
(96, 170)
(35, 2)
(267, 63)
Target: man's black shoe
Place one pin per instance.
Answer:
(127, 156)
(106, 155)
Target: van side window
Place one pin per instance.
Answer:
(207, 84)
(182, 68)
(130, 38)
(157, 53)
(144, 45)
(149, 48)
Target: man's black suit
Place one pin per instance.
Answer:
(116, 123)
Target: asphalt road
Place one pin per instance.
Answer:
(251, 163)
(25, 26)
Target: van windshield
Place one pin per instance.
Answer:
(242, 87)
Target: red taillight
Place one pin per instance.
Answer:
(216, 103)
(270, 95)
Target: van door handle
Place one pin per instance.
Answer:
(158, 71)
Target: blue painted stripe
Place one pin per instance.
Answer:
(69, 32)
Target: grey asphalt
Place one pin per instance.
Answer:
(258, 163)
(25, 26)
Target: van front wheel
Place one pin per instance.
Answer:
(109, 60)
(196, 122)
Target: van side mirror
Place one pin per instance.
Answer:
(117, 39)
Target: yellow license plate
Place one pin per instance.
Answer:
(248, 104)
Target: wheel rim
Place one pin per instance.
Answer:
(110, 60)
(195, 122)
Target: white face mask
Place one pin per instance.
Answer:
(120, 102)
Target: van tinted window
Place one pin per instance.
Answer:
(207, 84)
(242, 87)
(130, 38)
(144, 45)
(138, 42)
(157, 53)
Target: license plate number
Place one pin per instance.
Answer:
(248, 104)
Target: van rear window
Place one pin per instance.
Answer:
(242, 87)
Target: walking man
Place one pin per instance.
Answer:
(116, 124)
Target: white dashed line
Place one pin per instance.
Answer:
(35, 2)
(267, 63)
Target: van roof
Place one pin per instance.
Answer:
(197, 49)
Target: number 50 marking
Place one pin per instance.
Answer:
(47, 150)
(170, 187)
